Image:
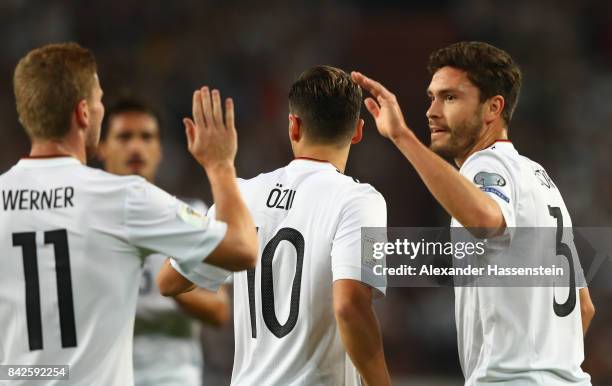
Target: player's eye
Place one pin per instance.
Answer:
(124, 137)
(449, 98)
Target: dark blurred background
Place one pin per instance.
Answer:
(253, 51)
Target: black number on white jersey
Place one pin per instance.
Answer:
(267, 285)
(59, 239)
(563, 249)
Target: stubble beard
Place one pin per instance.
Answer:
(461, 139)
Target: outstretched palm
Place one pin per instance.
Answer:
(211, 139)
(385, 109)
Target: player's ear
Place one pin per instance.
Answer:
(358, 135)
(295, 127)
(81, 112)
(493, 108)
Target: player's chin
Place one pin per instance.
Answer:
(444, 149)
(438, 146)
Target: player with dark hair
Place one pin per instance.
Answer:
(166, 345)
(308, 303)
(518, 336)
(130, 141)
(74, 237)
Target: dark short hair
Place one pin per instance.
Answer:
(328, 101)
(127, 105)
(489, 68)
(48, 83)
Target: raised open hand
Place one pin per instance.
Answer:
(211, 140)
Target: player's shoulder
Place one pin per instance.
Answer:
(110, 181)
(8, 174)
(352, 191)
(87, 176)
(501, 156)
(133, 188)
(358, 187)
(246, 184)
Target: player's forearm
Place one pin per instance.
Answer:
(226, 195)
(361, 336)
(172, 283)
(241, 238)
(587, 310)
(209, 307)
(461, 199)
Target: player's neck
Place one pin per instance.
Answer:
(487, 138)
(66, 147)
(334, 155)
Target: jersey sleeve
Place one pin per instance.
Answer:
(492, 175)
(158, 222)
(211, 211)
(204, 275)
(365, 209)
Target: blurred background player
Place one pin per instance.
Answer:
(308, 303)
(74, 237)
(516, 336)
(167, 349)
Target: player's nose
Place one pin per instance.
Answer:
(136, 145)
(434, 110)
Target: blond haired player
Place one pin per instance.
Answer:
(73, 238)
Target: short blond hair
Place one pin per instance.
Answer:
(48, 83)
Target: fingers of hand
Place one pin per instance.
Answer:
(207, 106)
(217, 111)
(372, 107)
(196, 107)
(229, 114)
(373, 87)
(189, 131)
(365, 82)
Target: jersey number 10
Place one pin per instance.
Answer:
(267, 285)
(27, 242)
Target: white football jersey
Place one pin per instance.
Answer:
(166, 340)
(520, 336)
(73, 239)
(309, 218)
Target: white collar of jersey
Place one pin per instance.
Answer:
(312, 163)
(502, 143)
(47, 162)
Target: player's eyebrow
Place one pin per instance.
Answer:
(443, 91)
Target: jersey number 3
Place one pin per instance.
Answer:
(563, 249)
(27, 242)
(267, 285)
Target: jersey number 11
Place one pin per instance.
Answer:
(27, 242)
